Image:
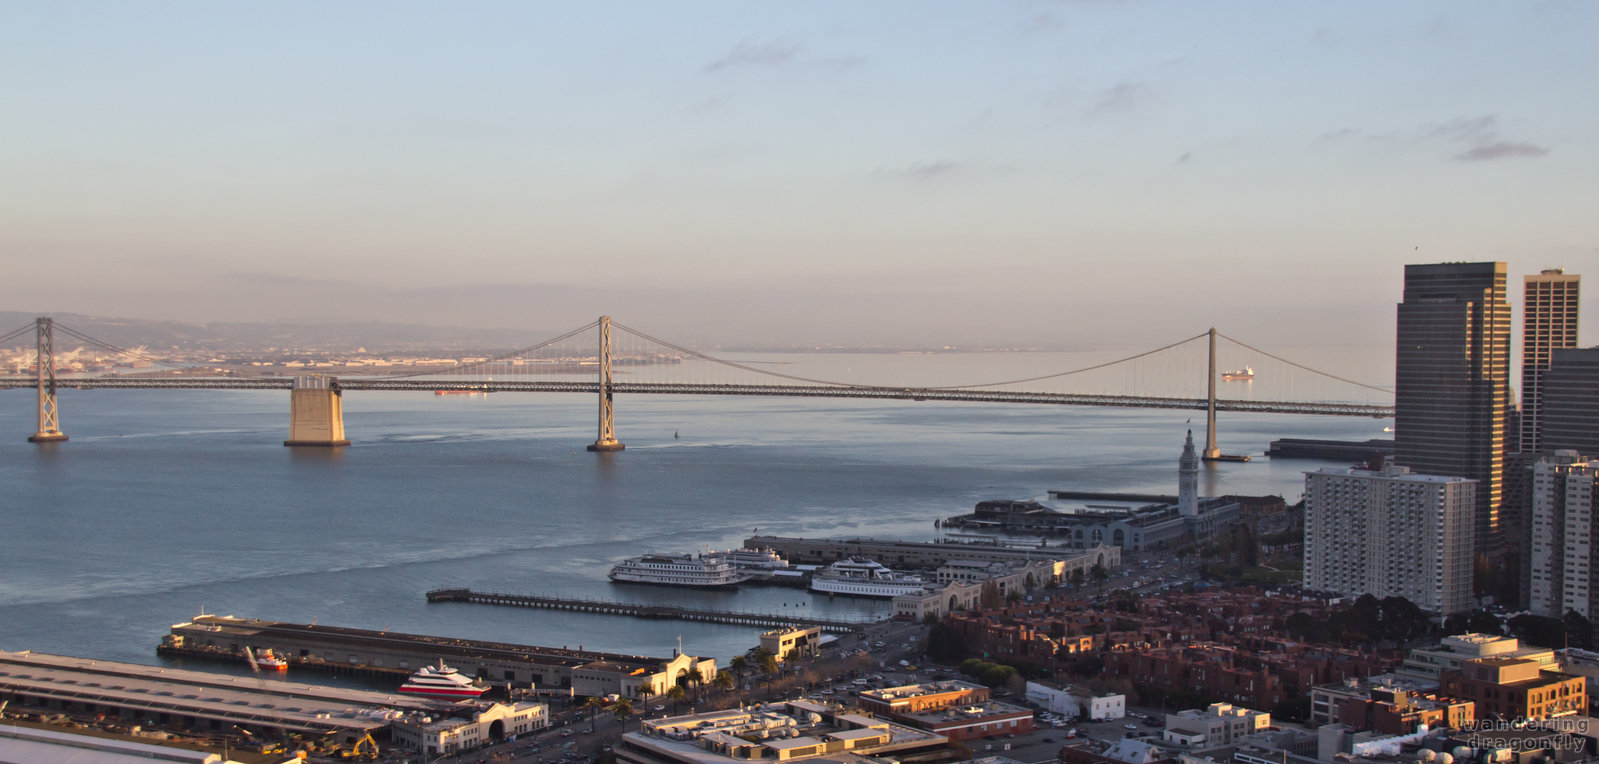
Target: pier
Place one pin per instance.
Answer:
(611, 607)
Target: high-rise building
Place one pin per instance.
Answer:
(1548, 323)
(1391, 533)
(1565, 536)
(1452, 382)
(1571, 401)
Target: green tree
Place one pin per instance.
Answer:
(675, 694)
(1099, 574)
(1077, 578)
(622, 709)
(988, 596)
(723, 681)
(1579, 631)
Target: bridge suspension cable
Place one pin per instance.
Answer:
(110, 348)
(24, 330)
(479, 365)
(859, 386)
(1275, 357)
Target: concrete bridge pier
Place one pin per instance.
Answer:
(316, 412)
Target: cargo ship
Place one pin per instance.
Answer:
(1238, 375)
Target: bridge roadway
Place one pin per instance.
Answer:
(612, 607)
(687, 388)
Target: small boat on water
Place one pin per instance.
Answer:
(266, 660)
(441, 681)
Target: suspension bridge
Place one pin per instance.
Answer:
(606, 358)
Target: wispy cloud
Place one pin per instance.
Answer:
(1481, 140)
(1475, 139)
(1041, 23)
(926, 171)
(758, 55)
(1187, 157)
(1501, 150)
(1122, 98)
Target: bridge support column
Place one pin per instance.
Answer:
(316, 412)
(607, 438)
(49, 416)
(1212, 451)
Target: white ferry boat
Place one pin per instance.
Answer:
(864, 578)
(707, 570)
(442, 682)
(764, 559)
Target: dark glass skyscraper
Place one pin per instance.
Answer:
(1452, 382)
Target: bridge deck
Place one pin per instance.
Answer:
(681, 388)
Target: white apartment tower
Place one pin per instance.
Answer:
(1391, 533)
(1565, 541)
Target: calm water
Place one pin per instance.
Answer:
(164, 503)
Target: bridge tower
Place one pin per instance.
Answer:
(1212, 451)
(316, 412)
(607, 439)
(49, 416)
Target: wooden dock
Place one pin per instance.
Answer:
(612, 607)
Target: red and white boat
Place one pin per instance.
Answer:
(265, 659)
(442, 682)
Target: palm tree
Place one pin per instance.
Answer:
(675, 694)
(622, 709)
(738, 665)
(768, 665)
(723, 681)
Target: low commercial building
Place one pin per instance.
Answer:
(492, 723)
(1516, 688)
(927, 696)
(1218, 724)
(1452, 652)
(792, 642)
(1388, 705)
(794, 730)
(973, 720)
(1077, 701)
(964, 583)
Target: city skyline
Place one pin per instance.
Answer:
(1021, 174)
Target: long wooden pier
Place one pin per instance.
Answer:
(612, 607)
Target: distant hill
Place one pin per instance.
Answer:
(235, 337)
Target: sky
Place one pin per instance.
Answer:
(1059, 173)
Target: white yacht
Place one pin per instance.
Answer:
(707, 570)
(442, 682)
(864, 578)
(764, 559)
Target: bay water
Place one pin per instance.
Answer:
(165, 504)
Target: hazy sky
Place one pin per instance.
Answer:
(994, 171)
